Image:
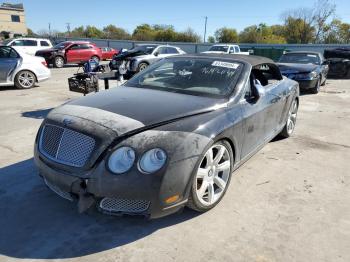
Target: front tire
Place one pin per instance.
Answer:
(212, 177)
(289, 127)
(59, 62)
(317, 88)
(25, 79)
(142, 66)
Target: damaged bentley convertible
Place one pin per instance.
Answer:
(169, 137)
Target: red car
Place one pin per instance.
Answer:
(70, 52)
(108, 52)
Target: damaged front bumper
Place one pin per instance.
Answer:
(131, 194)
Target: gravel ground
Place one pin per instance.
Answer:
(290, 202)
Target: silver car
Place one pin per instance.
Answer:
(151, 53)
(20, 69)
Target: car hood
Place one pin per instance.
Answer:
(296, 68)
(47, 50)
(127, 109)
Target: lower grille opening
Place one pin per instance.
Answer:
(114, 205)
(58, 191)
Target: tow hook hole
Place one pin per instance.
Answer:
(83, 185)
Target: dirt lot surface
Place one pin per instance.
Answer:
(290, 202)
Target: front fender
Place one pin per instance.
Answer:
(183, 149)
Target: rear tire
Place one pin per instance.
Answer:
(58, 62)
(25, 79)
(212, 177)
(289, 127)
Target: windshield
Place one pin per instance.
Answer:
(145, 49)
(301, 58)
(195, 76)
(220, 48)
(61, 45)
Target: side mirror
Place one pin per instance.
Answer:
(156, 53)
(260, 90)
(326, 62)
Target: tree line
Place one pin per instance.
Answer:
(317, 24)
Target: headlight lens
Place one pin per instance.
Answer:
(121, 160)
(313, 74)
(152, 160)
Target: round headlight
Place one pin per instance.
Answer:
(152, 160)
(121, 160)
(313, 74)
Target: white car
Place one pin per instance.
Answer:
(28, 45)
(225, 49)
(20, 69)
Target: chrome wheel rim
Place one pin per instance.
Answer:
(142, 67)
(59, 62)
(292, 117)
(26, 79)
(213, 174)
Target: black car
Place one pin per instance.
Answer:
(310, 69)
(339, 62)
(170, 137)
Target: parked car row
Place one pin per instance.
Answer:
(309, 69)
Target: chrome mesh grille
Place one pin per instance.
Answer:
(65, 146)
(124, 205)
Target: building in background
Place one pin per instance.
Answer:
(12, 20)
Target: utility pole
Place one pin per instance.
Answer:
(49, 29)
(205, 29)
(68, 28)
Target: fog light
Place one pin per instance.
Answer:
(172, 199)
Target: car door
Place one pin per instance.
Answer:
(278, 93)
(259, 115)
(254, 111)
(8, 62)
(73, 53)
(171, 51)
(231, 50)
(31, 46)
(44, 44)
(19, 45)
(85, 52)
(161, 52)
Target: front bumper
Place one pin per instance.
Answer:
(307, 84)
(100, 184)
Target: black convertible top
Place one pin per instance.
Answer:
(250, 59)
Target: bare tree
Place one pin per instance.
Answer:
(323, 10)
(299, 25)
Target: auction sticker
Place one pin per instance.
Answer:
(225, 64)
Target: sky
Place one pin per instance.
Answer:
(181, 13)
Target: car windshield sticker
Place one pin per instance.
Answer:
(224, 71)
(225, 64)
